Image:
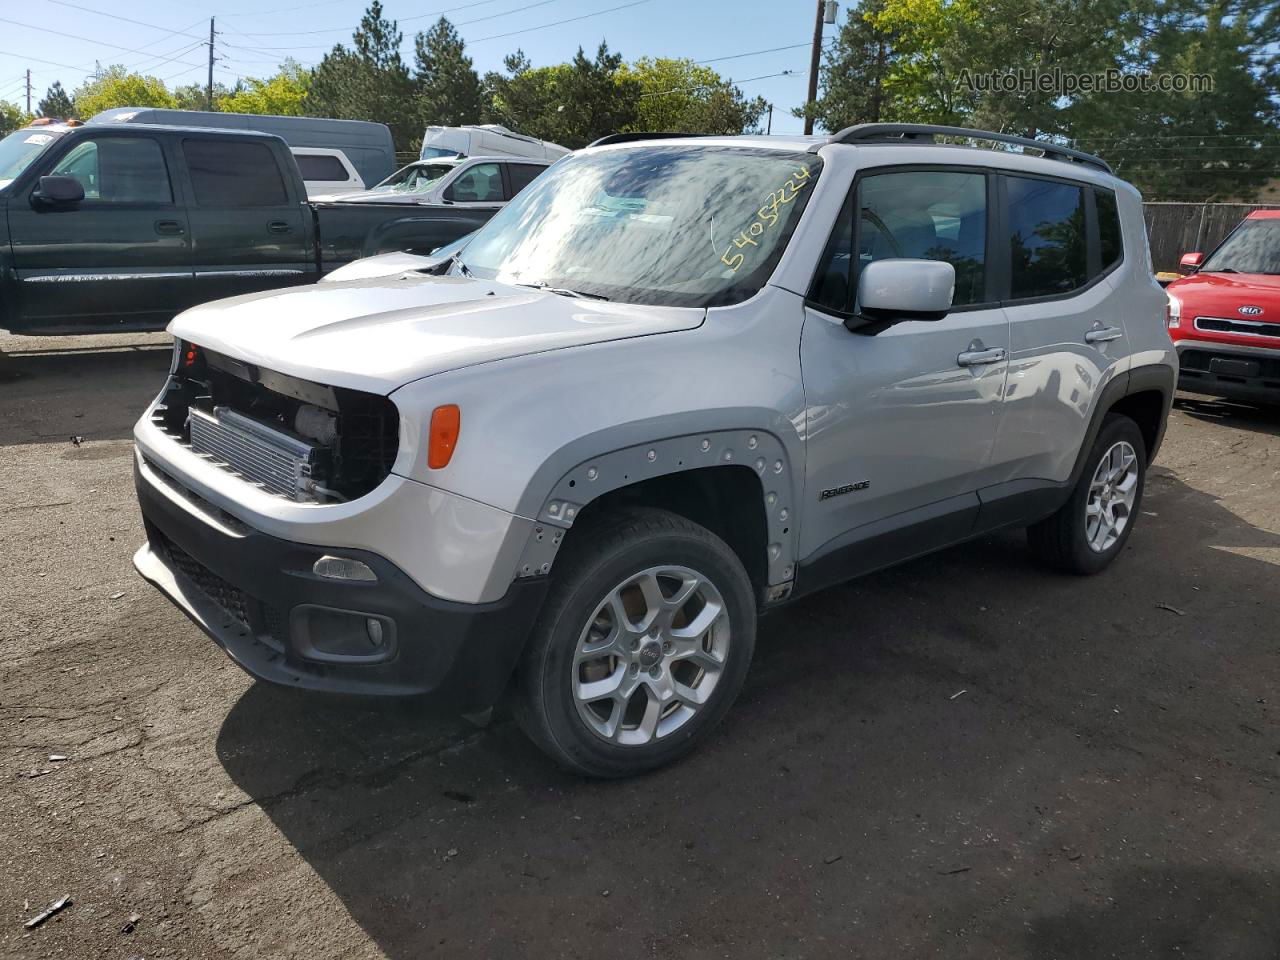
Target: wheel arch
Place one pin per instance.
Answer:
(1145, 395)
(742, 484)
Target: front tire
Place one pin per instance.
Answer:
(641, 648)
(1091, 528)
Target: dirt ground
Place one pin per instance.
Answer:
(962, 757)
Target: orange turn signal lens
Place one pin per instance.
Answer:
(445, 422)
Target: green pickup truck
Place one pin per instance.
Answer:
(120, 227)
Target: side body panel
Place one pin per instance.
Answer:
(244, 249)
(102, 263)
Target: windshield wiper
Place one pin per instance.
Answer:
(462, 267)
(1224, 270)
(564, 291)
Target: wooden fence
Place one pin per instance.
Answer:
(1178, 228)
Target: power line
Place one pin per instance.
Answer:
(140, 23)
(732, 83)
(753, 53)
(544, 26)
(304, 33)
(72, 36)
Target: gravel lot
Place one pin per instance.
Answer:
(964, 756)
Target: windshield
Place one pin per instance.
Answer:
(18, 149)
(678, 225)
(430, 153)
(1253, 248)
(415, 178)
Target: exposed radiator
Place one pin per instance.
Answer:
(273, 460)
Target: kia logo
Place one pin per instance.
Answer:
(1250, 310)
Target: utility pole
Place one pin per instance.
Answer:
(208, 90)
(814, 59)
(28, 92)
(769, 129)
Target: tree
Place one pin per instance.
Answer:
(369, 82)
(281, 95)
(679, 95)
(1196, 144)
(11, 118)
(449, 91)
(117, 87)
(569, 103)
(56, 103)
(855, 71)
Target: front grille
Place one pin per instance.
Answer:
(275, 461)
(1246, 328)
(230, 598)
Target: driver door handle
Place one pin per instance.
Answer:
(981, 356)
(169, 228)
(1103, 334)
(279, 226)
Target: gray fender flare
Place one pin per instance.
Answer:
(555, 509)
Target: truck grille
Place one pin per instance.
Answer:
(275, 461)
(228, 597)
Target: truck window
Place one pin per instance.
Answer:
(229, 173)
(1046, 237)
(118, 170)
(522, 175)
(321, 166)
(481, 184)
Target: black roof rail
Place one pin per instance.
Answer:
(926, 132)
(632, 137)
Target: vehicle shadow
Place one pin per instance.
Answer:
(55, 390)
(878, 718)
(1259, 419)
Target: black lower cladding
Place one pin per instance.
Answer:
(249, 588)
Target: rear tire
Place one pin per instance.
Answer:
(641, 648)
(1091, 528)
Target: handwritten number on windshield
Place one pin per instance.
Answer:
(766, 217)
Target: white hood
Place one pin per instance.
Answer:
(379, 334)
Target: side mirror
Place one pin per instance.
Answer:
(1190, 262)
(891, 291)
(58, 191)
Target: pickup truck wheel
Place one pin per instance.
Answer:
(641, 648)
(1091, 528)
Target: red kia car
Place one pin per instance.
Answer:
(1225, 317)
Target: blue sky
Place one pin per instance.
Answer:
(62, 39)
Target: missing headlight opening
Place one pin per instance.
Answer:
(290, 437)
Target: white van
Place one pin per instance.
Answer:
(487, 139)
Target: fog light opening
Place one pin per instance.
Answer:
(343, 568)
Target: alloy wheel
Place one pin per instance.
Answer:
(1112, 494)
(650, 655)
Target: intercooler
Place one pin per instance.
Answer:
(275, 461)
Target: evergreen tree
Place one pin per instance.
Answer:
(854, 72)
(369, 82)
(56, 103)
(449, 91)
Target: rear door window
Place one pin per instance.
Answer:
(118, 170)
(521, 175)
(229, 173)
(1047, 237)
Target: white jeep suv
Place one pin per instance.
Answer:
(675, 383)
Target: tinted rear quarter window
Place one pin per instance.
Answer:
(1109, 238)
(1047, 239)
(522, 175)
(227, 173)
(321, 167)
